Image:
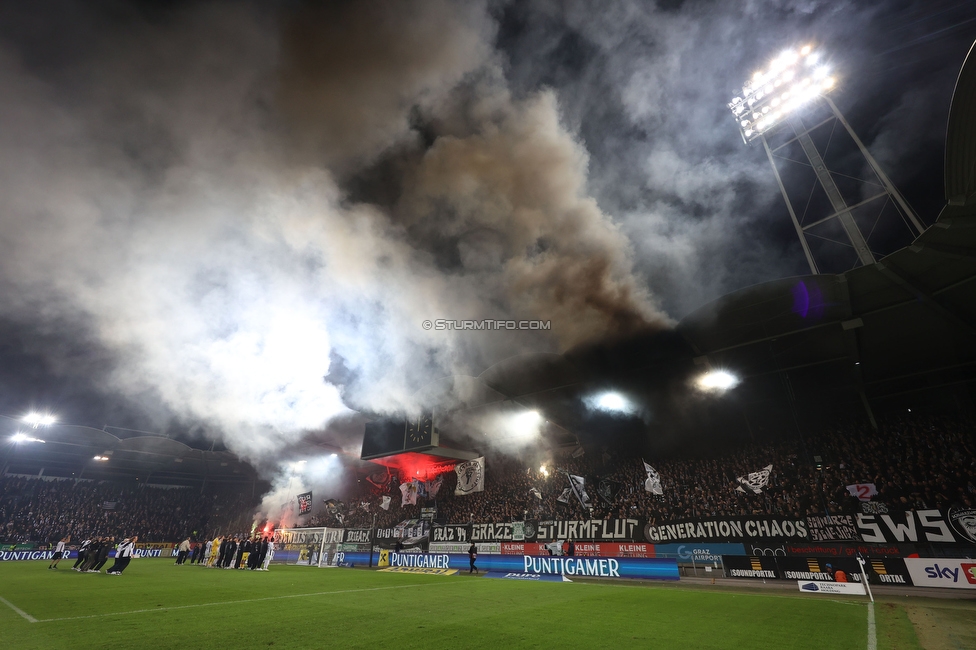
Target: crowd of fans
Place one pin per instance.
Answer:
(43, 511)
(915, 463)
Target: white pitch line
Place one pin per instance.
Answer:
(30, 619)
(226, 602)
(872, 629)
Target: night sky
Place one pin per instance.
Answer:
(231, 219)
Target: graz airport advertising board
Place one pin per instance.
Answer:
(595, 567)
(941, 572)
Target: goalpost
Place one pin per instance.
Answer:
(306, 546)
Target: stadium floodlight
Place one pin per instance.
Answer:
(787, 90)
(20, 436)
(332, 456)
(770, 96)
(612, 402)
(717, 381)
(527, 422)
(100, 458)
(39, 420)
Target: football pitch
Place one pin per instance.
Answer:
(158, 605)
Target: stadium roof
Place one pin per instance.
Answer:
(69, 451)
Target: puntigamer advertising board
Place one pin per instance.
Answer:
(591, 567)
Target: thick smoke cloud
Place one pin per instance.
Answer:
(247, 213)
(176, 189)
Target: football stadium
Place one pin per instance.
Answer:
(364, 324)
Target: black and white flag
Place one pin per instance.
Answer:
(576, 488)
(305, 503)
(754, 481)
(471, 477)
(652, 483)
(608, 490)
(534, 491)
(565, 496)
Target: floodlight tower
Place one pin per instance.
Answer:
(789, 90)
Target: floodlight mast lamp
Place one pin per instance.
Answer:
(793, 81)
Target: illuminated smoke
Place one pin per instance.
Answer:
(182, 195)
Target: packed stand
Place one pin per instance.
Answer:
(915, 463)
(44, 511)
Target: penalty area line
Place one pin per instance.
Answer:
(224, 602)
(30, 619)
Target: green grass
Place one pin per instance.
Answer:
(158, 605)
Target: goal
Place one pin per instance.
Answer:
(306, 546)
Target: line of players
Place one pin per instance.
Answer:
(93, 554)
(229, 553)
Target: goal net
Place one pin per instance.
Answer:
(306, 546)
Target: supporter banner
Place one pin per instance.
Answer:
(590, 530)
(471, 477)
(910, 526)
(703, 552)
(728, 529)
(357, 536)
(832, 528)
(963, 521)
(863, 491)
(410, 532)
(941, 572)
(738, 566)
(518, 531)
(451, 533)
(922, 526)
(542, 531)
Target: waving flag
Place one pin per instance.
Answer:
(409, 492)
(652, 483)
(755, 481)
(305, 503)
